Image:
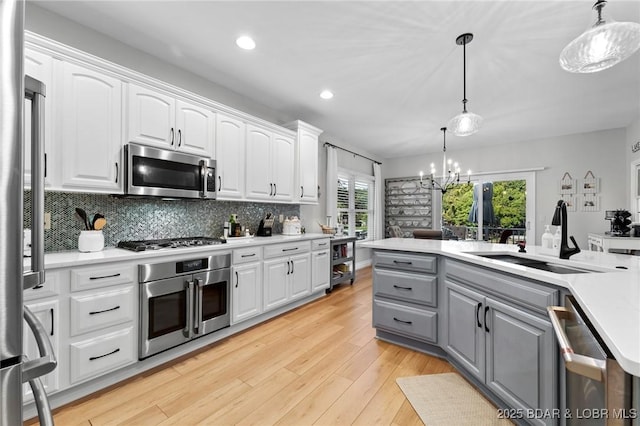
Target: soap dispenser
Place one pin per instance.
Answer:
(557, 238)
(547, 240)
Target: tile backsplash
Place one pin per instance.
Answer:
(146, 218)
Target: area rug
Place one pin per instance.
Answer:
(447, 399)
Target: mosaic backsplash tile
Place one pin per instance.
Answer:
(146, 218)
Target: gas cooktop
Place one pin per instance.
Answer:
(169, 243)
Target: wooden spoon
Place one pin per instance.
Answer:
(99, 223)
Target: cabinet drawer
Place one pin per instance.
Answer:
(102, 354)
(280, 250)
(87, 278)
(409, 262)
(248, 254)
(527, 293)
(49, 288)
(320, 244)
(416, 288)
(405, 320)
(99, 310)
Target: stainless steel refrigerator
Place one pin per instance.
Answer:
(15, 368)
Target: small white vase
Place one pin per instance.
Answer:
(90, 241)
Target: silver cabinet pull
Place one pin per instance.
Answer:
(93, 358)
(105, 310)
(580, 364)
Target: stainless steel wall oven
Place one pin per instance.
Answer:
(182, 300)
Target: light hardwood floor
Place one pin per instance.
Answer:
(319, 364)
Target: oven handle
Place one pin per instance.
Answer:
(189, 329)
(579, 364)
(198, 318)
(203, 174)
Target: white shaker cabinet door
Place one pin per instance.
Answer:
(320, 270)
(283, 167)
(195, 126)
(276, 281)
(230, 157)
(151, 117)
(90, 135)
(259, 184)
(308, 167)
(246, 292)
(300, 276)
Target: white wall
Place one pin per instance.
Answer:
(602, 152)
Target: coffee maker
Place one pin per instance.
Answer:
(266, 226)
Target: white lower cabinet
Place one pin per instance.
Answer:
(287, 273)
(246, 292)
(91, 357)
(47, 312)
(320, 270)
(99, 310)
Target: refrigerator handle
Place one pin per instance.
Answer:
(42, 402)
(47, 362)
(35, 90)
(579, 364)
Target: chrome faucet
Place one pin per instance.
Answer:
(560, 218)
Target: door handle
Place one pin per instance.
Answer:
(172, 134)
(237, 280)
(35, 91)
(93, 358)
(52, 322)
(580, 364)
(403, 322)
(188, 330)
(198, 305)
(179, 137)
(271, 191)
(301, 191)
(219, 183)
(117, 172)
(399, 287)
(292, 267)
(478, 307)
(104, 276)
(47, 362)
(103, 311)
(486, 309)
(275, 189)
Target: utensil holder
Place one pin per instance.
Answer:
(89, 241)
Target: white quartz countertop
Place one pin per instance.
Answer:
(64, 259)
(610, 298)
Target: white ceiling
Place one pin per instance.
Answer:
(393, 65)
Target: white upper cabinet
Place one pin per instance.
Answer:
(158, 119)
(270, 165)
(306, 171)
(40, 67)
(88, 142)
(230, 157)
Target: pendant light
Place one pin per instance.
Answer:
(602, 46)
(466, 123)
(450, 170)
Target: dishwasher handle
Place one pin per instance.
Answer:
(582, 365)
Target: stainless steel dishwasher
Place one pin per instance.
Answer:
(598, 390)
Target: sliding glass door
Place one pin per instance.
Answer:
(496, 208)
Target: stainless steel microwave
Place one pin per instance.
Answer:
(165, 173)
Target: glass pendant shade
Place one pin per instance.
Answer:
(465, 124)
(602, 46)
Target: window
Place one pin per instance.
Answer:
(355, 205)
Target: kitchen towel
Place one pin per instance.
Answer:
(447, 399)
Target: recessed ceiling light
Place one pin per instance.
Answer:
(246, 43)
(326, 94)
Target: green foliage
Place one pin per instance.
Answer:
(509, 204)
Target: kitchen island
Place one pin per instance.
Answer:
(464, 301)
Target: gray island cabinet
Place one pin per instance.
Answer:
(491, 326)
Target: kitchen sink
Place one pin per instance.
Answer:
(536, 264)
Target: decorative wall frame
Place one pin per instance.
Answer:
(567, 185)
(589, 184)
(570, 201)
(590, 203)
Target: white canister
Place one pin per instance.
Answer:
(90, 241)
